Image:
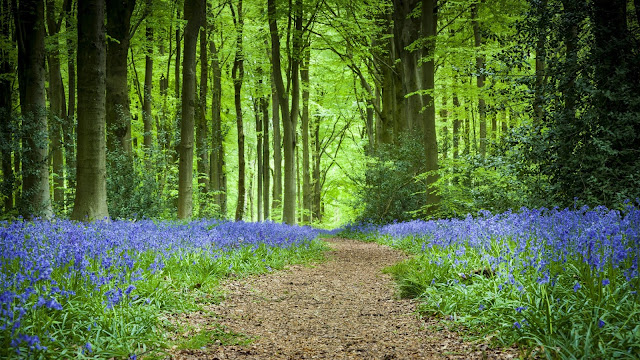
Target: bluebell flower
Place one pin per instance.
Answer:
(576, 287)
(517, 325)
(605, 282)
(600, 323)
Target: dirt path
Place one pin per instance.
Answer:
(341, 309)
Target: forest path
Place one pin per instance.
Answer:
(344, 308)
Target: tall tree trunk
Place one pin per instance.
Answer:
(237, 73)
(387, 120)
(30, 28)
(202, 130)
(193, 11)
(118, 112)
(429, 23)
(259, 145)
(91, 190)
(264, 106)
(289, 207)
(58, 107)
(444, 129)
(217, 179)
(6, 137)
(277, 148)
(178, 49)
(317, 184)
(69, 125)
(148, 83)
(480, 78)
(306, 176)
(406, 32)
(456, 128)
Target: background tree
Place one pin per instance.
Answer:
(91, 189)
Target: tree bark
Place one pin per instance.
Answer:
(193, 11)
(91, 189)
(407, 29)
(217, 178)
(317, 184)
(202, 130)
(259, 145)
(178, 49)
(480, 78)
(277, 148)
(69, 125)
(456, 128)
(36, 200)
(429, 23)
(237, 74)
(58, 107)
(118, 111)
(148, 83)
(306, 176)
(289, 207)
(264, 105)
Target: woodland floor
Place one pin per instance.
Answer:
(344, 308)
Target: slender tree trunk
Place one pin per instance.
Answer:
(480, 78)
(456, 128)
(202, 130)
(264, 105)
(118, 112)
(388, 97)
(178, 49)
(317, 184)
(148, 83)
(306, 176)
(217, 179)
(69, 125)
(6, 113)
(444, 129)
(289, 207)
(91, 191)
(259, 145)
(58, 107)
(277, 148)
(193, 11)
(31, 76)
(429, 23)
(238, 76)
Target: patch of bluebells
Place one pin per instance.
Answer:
(37, 259)
(601, 238)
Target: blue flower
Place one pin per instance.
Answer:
(576, 287)
(600, 323)
(605, 282)
(517, 325)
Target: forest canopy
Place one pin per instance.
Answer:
(316, 111)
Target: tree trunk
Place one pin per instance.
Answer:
(306, 176)
(288, 120)
(456, 128)
(317, 185)
(36, 200)
(387, 120)
(259, 145)
(444, 129)
(193, 11)
(58, 108)
(538, 102)
(429, 23)
(178, 48)
(238, 76)
(148, 83)
(91, 190)
(277, 148)
(406, 32)
(202, 130)
(6, 138)
(69, 125)
(264, 105)
(217, 179)
(480, 78)
(118, 112)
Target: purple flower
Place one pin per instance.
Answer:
(517, 325)
(600, 323)
(576, 287)
(605, 282)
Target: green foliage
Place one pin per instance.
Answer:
(391, 191)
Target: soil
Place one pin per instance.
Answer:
(344, 308)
